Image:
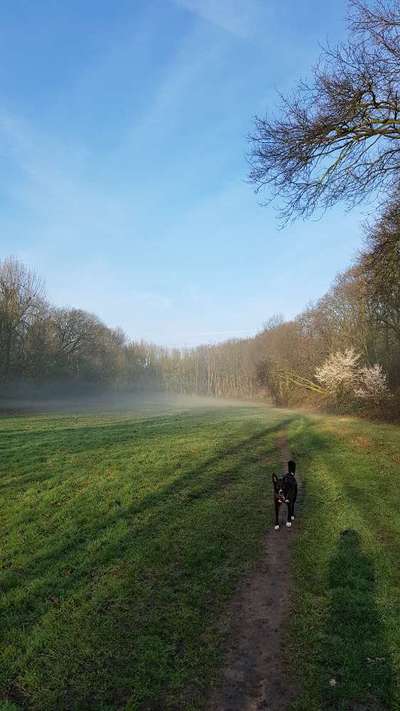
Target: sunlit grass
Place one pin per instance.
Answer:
(346, 631)
(122, 539)
(124, 536)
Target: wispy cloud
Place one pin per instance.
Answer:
(238, 17)
(140, 214)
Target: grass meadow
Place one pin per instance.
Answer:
(124, 535)
(345, 635)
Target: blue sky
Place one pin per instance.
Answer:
(123, 173)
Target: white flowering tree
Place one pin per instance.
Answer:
(344, 379)
(373, 384)
(339, 374)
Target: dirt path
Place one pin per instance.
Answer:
(254, 675)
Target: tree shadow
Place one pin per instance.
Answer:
(356, 669)
(87, 439)
(139, 597)
(193, 485)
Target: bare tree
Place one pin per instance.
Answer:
(381, 265)
(337, 137)
(21, 300)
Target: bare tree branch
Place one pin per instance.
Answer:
(337, 138)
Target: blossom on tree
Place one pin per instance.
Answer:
(373, 383)
(342, 376)
(339, 373)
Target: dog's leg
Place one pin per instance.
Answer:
(276, 515)
(289, 513)
(293, 502)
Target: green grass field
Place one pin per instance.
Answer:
(122, 539)
(125, 534)
(346, 634)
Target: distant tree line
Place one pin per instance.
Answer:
(342, 352)
(42, 343)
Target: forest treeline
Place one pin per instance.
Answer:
(344, 351)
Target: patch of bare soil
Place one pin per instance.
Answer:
(255, 676)
(361, 442)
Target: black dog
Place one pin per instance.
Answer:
(285, 492)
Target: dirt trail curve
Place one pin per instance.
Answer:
(254, 675)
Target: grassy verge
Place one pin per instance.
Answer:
(346, 631)
(121, 540)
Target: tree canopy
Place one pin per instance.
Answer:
(337, 136)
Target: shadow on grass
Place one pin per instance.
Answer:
(356, 666)
(193, 486)
(351, 666)
(41, 446)
(142, 595)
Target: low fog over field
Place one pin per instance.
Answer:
(138, 403)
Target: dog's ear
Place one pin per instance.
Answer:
(274, 478)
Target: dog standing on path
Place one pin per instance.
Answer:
(285, 492)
